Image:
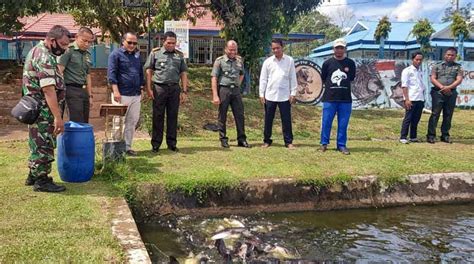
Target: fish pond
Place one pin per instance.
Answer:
(441, 233)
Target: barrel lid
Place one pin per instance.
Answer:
(76, 126)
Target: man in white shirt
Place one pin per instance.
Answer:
(278, 88)
(413, 94)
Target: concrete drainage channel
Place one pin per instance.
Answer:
(282, 195)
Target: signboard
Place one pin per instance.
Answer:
(181, 29)
(310, 85)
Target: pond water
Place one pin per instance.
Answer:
(442, 233)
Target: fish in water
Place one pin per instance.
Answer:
(278, 252)
(192, 259)
(223, 251)
(228, 233)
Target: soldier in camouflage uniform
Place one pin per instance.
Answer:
(227, 74)
(42, 80)
(165, 67)
(445, 76)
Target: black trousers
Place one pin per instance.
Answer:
(77, 100)
(445, 103)
(166, 100)
(285, 114)
(412, 117)
(229, 97)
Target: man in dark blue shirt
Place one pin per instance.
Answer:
(125, 74)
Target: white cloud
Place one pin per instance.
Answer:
(407, 10)
(339, 12)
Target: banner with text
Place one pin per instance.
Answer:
(181, 29)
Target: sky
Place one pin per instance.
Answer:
(396, 10)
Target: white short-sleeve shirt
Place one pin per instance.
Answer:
(412, 78)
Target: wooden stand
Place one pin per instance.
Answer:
(113, 147)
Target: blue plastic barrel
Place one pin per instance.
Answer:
(76, 152)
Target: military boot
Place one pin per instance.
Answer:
(29, 180)
(46, 184)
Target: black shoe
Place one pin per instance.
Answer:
(244, 144)
(446, 140)
(47, 185)
(430, 140)
(173, 148)
(343, 150)
(225, 144)
(29, 180)
(155, 150)
(323, 148)
(131, 153)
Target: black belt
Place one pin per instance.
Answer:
(75, 85)
(166, 84)
(232, 86)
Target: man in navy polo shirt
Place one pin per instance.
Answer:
(125, 74)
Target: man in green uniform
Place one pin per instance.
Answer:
(165, 67)
(75, 65)
(42, 80)
(445, 76)
(227, 74)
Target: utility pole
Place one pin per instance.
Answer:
(455, 4)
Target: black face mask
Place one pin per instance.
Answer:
(58, 51)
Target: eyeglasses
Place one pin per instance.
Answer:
(132, 43)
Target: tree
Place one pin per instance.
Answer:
(422, 31)
(460, 30)
(313, 22)
(12, 11)
(251, 23)
(111, 17)
(381, 34)
(344, 17)
(464, 11)
(459, 27)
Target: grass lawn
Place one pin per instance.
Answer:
(71, 227)
(373, 141)
(75, 227)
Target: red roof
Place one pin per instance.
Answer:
(44, 22)
(206, 23)
(36, 27)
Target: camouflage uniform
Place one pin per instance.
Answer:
(41, 70)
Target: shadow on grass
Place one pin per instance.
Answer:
(376, 114)
(464, 141)
(369, 149)
(94, 187)
(183, 150)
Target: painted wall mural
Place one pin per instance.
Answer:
(377, 83)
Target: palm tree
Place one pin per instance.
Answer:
(422, 31)
(381, 34)
(460, 30)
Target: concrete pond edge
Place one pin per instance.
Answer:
(126, 232)
(152, 201)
